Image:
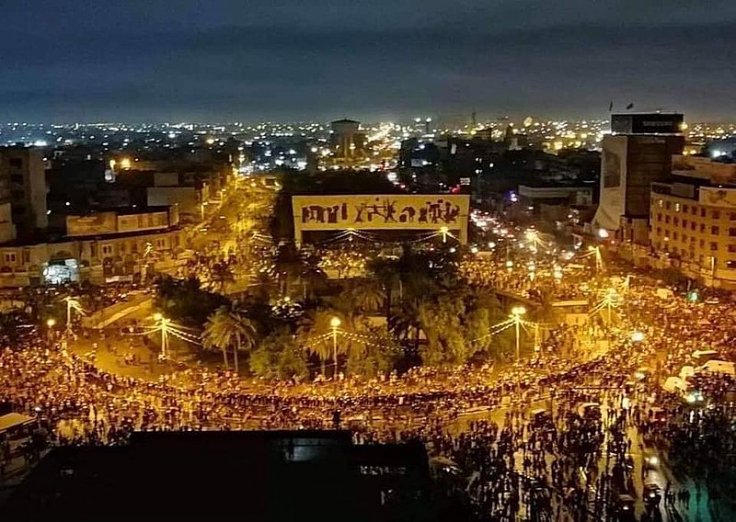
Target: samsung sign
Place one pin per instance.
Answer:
(651, 123)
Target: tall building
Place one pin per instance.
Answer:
(23, 185)
(347, 140)
(638, 153)
(693, 220)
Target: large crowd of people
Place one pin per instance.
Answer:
(553, 435)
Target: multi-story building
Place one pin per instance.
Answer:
(693, 220)
(347, 140)
(23, 185)
(100, 247)
(637, 154)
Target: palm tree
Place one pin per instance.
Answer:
(212, 334)
(226, 328)
(314, 335)
(368, 296)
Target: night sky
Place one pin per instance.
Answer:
(240, 60)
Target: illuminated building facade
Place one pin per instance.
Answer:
(693, 220)
(638, 154)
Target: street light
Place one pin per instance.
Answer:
(334, 324)
(50, 322)
(71, 304)
(637, 337)
(516, 313)
(163, 326)
(444, 231)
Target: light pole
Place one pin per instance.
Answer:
(516, 313)
(50, 323)
(444, 231)
(71, 303)
(610, 301)
(163, 325)
(334, 325)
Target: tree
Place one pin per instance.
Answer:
(377, 354)
(367, 295)
(279, 356)
(316, 335)
(225, 329)
(387, 271)
(186, 302)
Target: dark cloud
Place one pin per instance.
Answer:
(238, 60)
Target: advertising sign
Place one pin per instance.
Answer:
(717, 197)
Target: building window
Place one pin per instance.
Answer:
(732, 232)
(9, 256)
(732, 216)
(714, 230)
(106, 250)
(731, 264)
(732, 248)
(660, 203)
(677, 207)
(685, 208)
(674, 236)
(684, 223)
(667, 205)
(16, 163)
(702, 243)
(694, 210)
(692, 225)
(702, 212)
(716, 214)
(713, 246)
(666, 219)
(702, 227)
(659, 231)
(659, 216)
(675, 221)
(684, 237)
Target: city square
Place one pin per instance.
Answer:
(379, 261)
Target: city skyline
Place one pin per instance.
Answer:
(234, 61)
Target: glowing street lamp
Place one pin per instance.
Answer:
(445, 232)
(334, 325)
(596, 250)
(610, 300)
(162, 324)
(50, 322)
(637, 336)
(516, 313)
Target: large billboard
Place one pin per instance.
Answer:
(91, 225)
(647, 123)
(613, 185)
(381, 212)
(717, 197)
